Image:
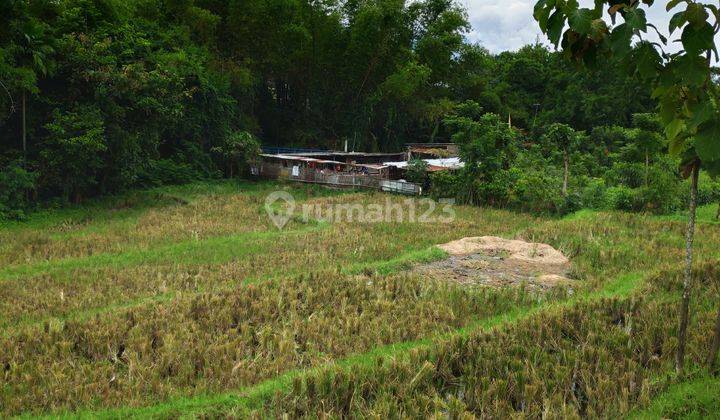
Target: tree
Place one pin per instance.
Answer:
(564, 138)
(238, 150)
(417, 171)
(486, 146)
(72, 155)
(647, 137)
(681, 82)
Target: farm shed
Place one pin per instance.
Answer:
(322, 171)
(345, 169)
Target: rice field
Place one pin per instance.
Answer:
(189, 301)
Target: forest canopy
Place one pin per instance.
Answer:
(102, 95)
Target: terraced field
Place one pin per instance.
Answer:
(189, 301)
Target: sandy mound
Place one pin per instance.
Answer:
(493, 261)
(517, 250)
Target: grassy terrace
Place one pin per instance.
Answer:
(187, 300)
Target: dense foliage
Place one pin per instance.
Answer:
(102, 95)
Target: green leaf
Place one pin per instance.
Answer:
(620, 40)
(700, 113)
(635, 18)
(677, 146)
(712, 168)
(555, 26)
(542, 14)
(648, 60)
(698, 39)
(671, 4)
(707, 141)
(674, 128)
(691, 69)
(696, 14)
(677, 21)
(581, 20)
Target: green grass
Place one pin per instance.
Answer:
(137, 239)
(208, 251)
(695, 399)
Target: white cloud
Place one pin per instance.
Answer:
(501, 25)
(506, 25)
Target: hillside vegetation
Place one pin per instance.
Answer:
(187, 300)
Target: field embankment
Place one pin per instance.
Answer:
(188, 300)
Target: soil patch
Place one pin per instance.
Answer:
(498, 262)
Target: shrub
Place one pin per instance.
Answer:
(536, 189)
(416, 171)
(168, 172)
(239, 149)
(708, 190)
(15, 181)
(593, 194)
(620, 198)
(444, 184)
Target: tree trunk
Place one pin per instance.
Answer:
(687, 280)
(715, 346)
(24, 125)
(566, 174)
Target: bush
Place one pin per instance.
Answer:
(620, 198)
(444, 184)
(15, 182)
(416, 171)
(168, 172)
(536, 190)
(593, 194)
(708, 190)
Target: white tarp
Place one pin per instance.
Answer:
(452, 163)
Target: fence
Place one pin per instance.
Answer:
(401, 187)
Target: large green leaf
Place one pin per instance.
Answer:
(581, 20)
(542, 14)
(555, 26)
(691, 69)
(635, 18)
(707, 141)
(701, 112)
(648, 60)
(674, 129)
(620, 39)
(677, 21)
(696, 14)
(697, 39)
(677, 146)
(712, 168)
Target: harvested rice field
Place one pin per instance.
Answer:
(190, 301)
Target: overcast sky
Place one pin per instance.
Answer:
(502, 25)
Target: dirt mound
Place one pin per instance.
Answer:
(517, 250)
(493, 261)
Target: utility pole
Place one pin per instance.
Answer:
(537, 107)
(24, 126)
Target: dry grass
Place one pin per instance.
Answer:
(193, 295)
(596, 359)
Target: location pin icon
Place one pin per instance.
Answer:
(280, 219)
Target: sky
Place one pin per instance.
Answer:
(506, 25)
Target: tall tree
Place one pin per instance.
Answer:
(564, 138)
(681, 82)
